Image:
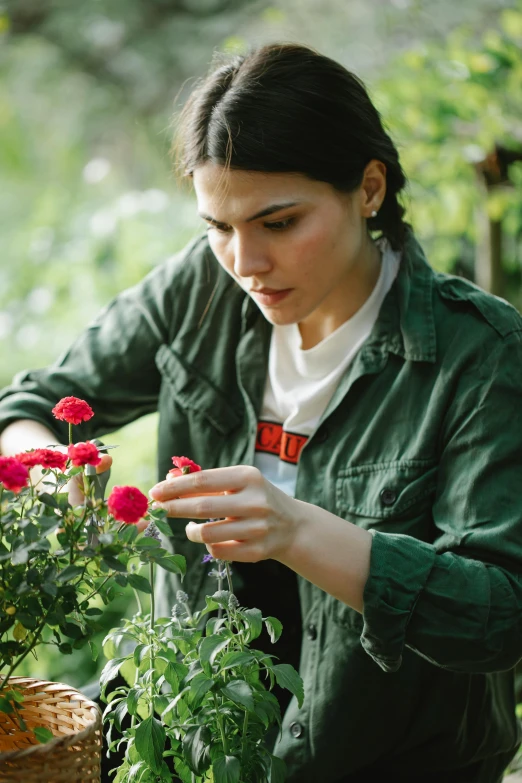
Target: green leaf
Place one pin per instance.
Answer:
(29, 621)
(42, 734)
(94, 650)
(139, 582)
(20, 556)
(68, 573)
(171, 676)
(110, 670)
(119, 713)
(176, 564)
(140, 651)
(287, 677)
(5, 705)
(240, 693)
(93, 610)
(196, 748)
(48, 500)
(133, 698)
(150, 742)
(148, 542)
(274, 628)
(49, 588)
(226, 769)
(114, 564)
(277, 772)
(219, 598)
(235, 658)
(163, 526)
(254, 620)
(198, 687)
(209, 647)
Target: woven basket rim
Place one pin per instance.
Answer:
(66, 739)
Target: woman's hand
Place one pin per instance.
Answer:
(252, 519)
(75, 486)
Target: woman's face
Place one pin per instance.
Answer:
(301, 241)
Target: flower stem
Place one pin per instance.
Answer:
(244, 741)
(151, 627)
(70, 433)
(229, 576)
(221, 726)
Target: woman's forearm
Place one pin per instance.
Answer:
(24, 434)
(331, 553)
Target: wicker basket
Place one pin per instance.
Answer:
(73, 756)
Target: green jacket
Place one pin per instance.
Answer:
(421, 444)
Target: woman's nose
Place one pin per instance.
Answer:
(250, 258)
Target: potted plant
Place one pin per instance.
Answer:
(58, 566)
(198, 695)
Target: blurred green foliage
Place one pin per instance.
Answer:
(448, 106)
(88, 203)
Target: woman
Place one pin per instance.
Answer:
(357, 416)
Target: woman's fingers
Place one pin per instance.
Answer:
(219, 531)
(105, 464)
(206, 482)
(211, 507)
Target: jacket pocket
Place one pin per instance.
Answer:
(393, 497)
(195, 392)
(386, 490)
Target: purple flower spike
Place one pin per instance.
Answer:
(207, 559)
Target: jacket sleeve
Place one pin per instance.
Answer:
(458, 601)
(111, 364)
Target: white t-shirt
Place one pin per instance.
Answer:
(300, 384)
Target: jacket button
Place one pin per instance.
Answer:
(311, 632)
(296, 730)
(388, 497)
(322, 435)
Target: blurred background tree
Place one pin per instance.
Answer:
(88, 202)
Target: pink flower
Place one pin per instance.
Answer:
(73, 410)
(183, 465)
(13, 474)
(47, 458)
(127, 504)
(83, 454)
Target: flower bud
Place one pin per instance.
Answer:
(233, 603)
(181, 597)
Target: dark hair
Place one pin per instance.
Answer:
(287, 108)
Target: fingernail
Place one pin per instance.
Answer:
(157, 505)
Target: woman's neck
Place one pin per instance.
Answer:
(346, 301)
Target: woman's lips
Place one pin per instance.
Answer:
(270, 298)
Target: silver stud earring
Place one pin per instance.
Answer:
(374, 213)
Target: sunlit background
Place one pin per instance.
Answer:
(88, 201)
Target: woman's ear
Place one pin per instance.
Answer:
(373, 187)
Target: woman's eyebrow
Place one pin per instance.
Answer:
(263, 213)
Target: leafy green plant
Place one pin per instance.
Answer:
(60, 564)
(196, 690)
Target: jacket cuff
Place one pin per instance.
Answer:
(23, 405)
(399, 569)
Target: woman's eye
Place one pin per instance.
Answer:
(221, 229)
(280, 225)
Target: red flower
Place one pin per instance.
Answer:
(127, 504)
(13, 474)
(83, 454)
(73, 410)
(47, 458)
(183, 465)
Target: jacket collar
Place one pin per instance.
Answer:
(406, 322)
